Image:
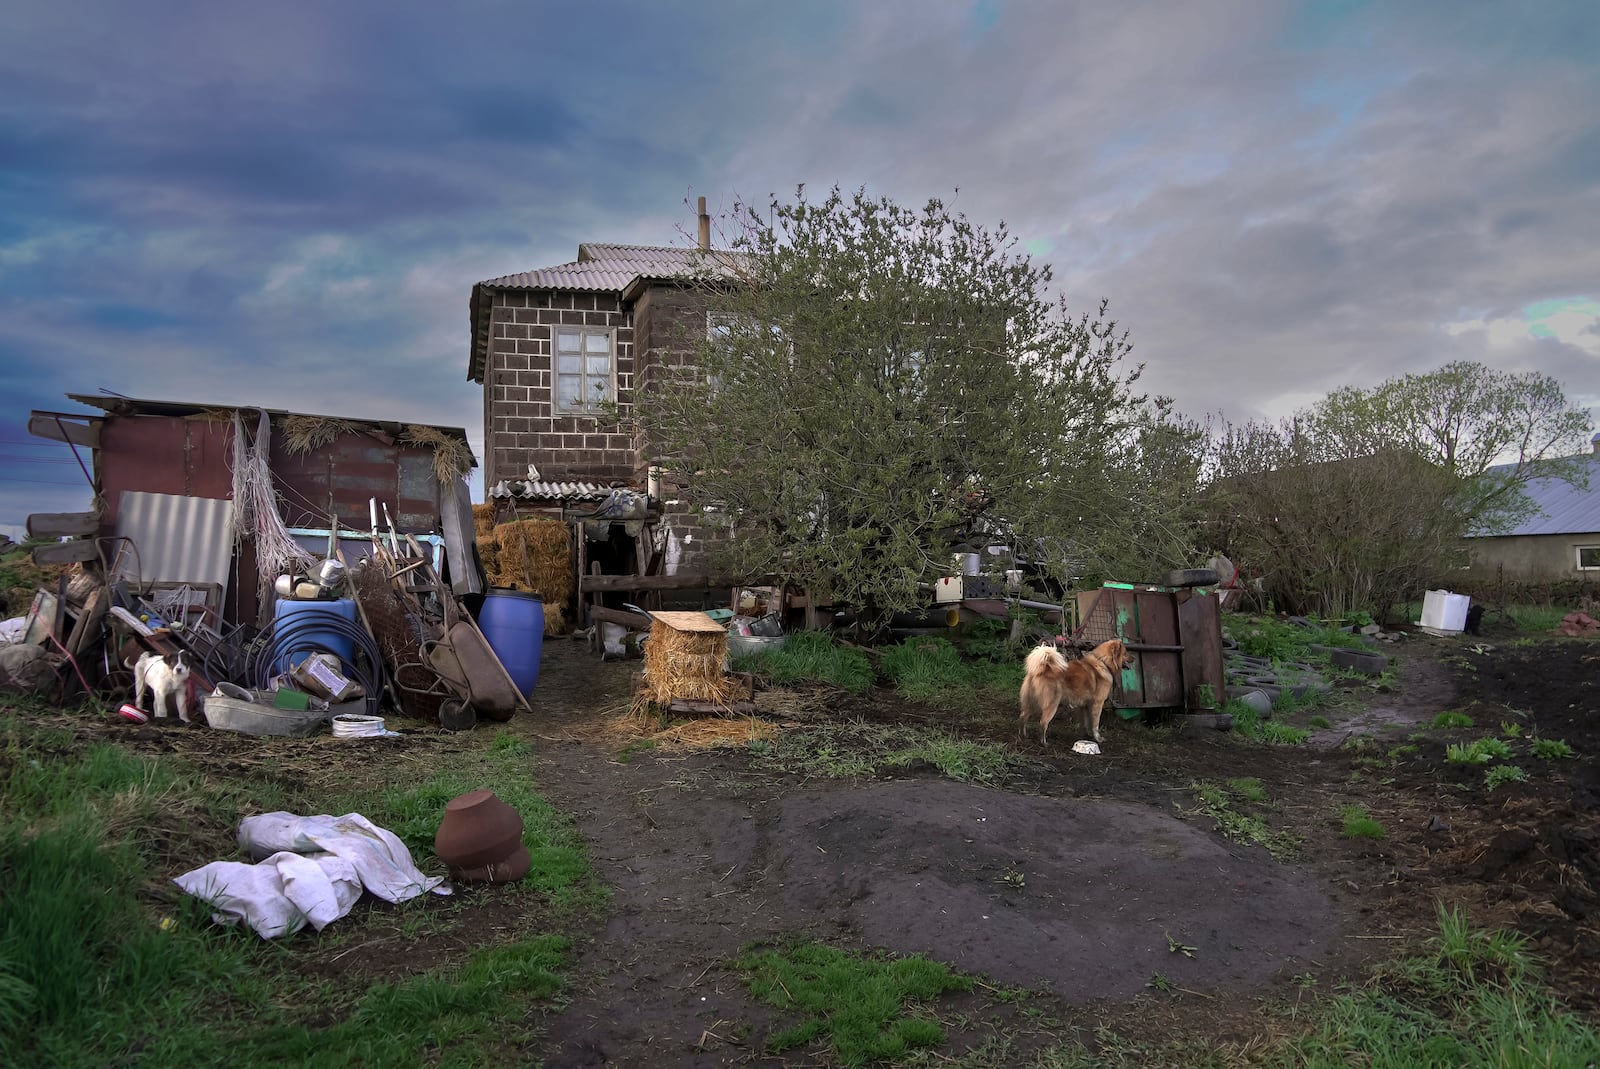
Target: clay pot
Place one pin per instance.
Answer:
(478, 830)
(510, 870)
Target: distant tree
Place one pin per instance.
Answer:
(1362, 499)
(1494, 430)
(879, 385)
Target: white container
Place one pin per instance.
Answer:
(1444, 611)
(947, 589)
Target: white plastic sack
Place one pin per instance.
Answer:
(313, 870)
(278, 896)
(381, 860)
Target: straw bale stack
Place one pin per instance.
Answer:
(534, 555)
(686, 658)
(483, 520)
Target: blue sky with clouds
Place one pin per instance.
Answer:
(287, 204)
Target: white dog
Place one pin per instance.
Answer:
(163, 675)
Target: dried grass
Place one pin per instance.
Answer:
(303, 434)
(452, 457)
(483, 520)
(712, 732)
(687, 665)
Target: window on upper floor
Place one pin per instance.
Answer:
(1588, 558)
(585, 361)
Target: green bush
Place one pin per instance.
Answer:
(1552, 749)
(1503, 774)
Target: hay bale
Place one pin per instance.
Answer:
(534, 555)
(686, 657)
(483, 521)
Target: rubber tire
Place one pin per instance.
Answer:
(1192, 577)
(457, 715)
(1368, 664)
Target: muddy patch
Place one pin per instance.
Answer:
(1083, 898)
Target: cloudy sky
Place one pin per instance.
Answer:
(287, 204)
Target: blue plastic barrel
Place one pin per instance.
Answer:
(513, 622)
(300, 615)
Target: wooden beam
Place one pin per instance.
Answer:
(78, 430)
(79, 551)
(56, 524)
(637, 621)
(602, 583)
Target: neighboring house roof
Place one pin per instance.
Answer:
(600, 268)
(1564, 509)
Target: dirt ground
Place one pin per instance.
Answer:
(1077, 877)
(1081, 878)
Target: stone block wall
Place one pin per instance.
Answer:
(520, 423)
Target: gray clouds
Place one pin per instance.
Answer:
(217, 202)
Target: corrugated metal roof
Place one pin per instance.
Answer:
(549, 491)
(1563, 508)
(141, 406)
(609, 267)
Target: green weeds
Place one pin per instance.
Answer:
(1452, 719)
(1499, 774)
(1477, 752)
(812, 656)
(1552, 749)
(1219, 801)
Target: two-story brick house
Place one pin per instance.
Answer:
(564, 354)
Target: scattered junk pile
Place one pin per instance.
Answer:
(246, 565)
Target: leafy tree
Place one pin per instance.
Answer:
(879, 385)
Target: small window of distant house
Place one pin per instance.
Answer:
(586, 368)
(1589, 558)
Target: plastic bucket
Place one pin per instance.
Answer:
(302, 616)
(513, 622)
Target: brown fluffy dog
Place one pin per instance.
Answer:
(1083, 685)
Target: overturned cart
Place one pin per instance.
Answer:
(1175, 636)
(440, 664)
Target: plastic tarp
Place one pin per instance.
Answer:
(312, 871)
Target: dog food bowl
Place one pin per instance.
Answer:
(133, 714)
(1084, 746)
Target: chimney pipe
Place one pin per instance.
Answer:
(705, 231)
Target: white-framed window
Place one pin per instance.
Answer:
(1589, 558)
(585, 367)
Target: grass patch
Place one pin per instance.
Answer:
(1451, 719)
(933, 671)
(102, 962)
(1536, 617)
(1358, 824)
(1279, 733)
(812, 657)
(1320, 722)
(1470, 1002)
(1552, 749)
(861, 1007)
(845, 751)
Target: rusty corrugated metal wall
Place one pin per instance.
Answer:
(193, 457)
